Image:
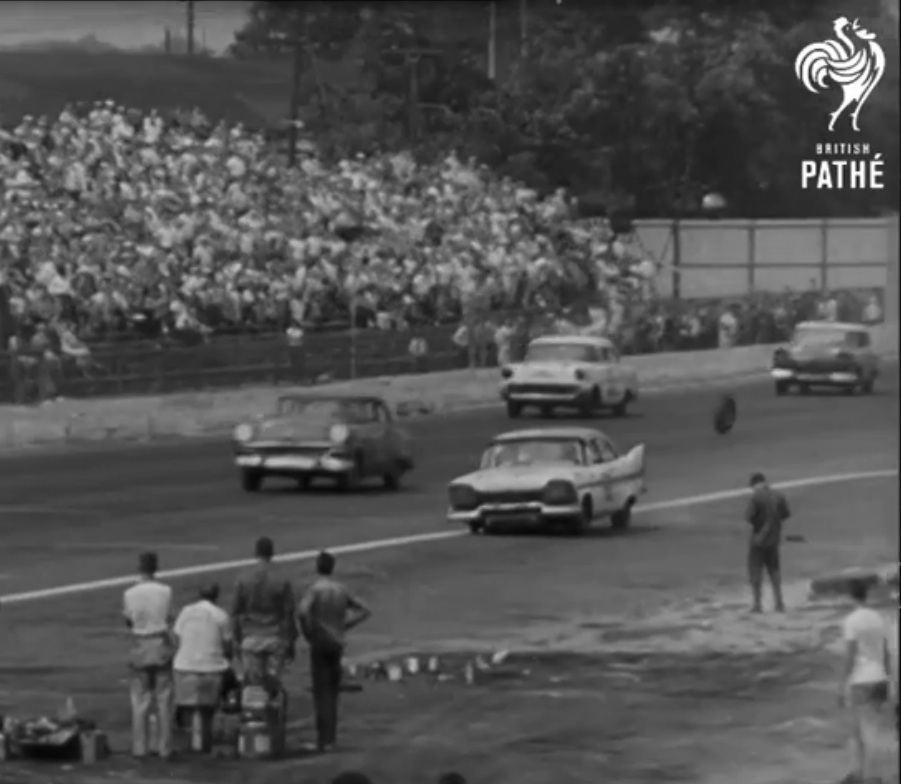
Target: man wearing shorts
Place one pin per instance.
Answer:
(865, 682)
(767, 511)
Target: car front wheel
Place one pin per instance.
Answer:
(251, 481)
(781, 388)
(621, 518)
(513, 409)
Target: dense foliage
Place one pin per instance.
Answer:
(641, 106)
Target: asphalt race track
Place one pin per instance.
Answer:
(78, 517)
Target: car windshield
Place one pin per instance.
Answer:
(352, 412)
(539, 451)
(559, 352)
(816, 337)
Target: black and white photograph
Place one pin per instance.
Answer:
(449, 392)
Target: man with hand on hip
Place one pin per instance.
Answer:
(147, 607)
(328, 610)
(767, 511)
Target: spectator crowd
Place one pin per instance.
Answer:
(115, 222)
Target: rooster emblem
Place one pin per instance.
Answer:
(854, 65)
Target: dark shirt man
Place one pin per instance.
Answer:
(327, 612)
(767, 511)
(263, 614)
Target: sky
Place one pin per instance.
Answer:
(134, 24)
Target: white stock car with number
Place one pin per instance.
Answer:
(571, 371)
(562, 477)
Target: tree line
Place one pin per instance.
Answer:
(642, 107)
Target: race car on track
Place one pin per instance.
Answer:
(347, 439)
(828, 354)
(562, 477)
(563, 371)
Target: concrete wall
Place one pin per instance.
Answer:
(735, 257)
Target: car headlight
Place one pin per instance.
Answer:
(243, 432)
(559, 492)
(339, 434)
(463, 498)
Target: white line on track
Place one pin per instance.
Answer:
(406, 541)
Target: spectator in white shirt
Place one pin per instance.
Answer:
(147, 607)
(203, 634)
(866, 676)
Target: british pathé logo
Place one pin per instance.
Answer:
(852, 64)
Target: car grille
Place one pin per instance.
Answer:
(271, 451)
(544, 389)
(510, 497)
(820, 365)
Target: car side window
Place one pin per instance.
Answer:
(602, 354)
(595, 456)
(607, 450)
(863, 340)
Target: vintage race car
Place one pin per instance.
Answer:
(564, 477)
(578, 372)
(347, 439)
(826, 353)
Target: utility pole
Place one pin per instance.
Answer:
(492, 40)
(523, 27)
(190, 27)
(412, 57)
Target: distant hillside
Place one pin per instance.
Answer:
(43, 83)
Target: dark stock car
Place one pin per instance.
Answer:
(345, 439)
(826, 354)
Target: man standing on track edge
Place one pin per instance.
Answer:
(767, 511)
(327, 612)
(263, 617)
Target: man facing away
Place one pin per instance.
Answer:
(328, 611)
(264, 620)
(147, 607)
(767, 511)
(865, 685)
(204, 636)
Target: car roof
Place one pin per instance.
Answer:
(577, 340)
(582, 433)
(842, 326)
(338, 398)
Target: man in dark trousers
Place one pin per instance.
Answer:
(327, 612)
(264, 620)
(767, 511)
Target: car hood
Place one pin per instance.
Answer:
(515, 477)
(290, 431)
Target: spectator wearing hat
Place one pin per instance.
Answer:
(147, 607)
(328, 610)
(767, 511)
(204, 638)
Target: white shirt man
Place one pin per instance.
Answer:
(204, 636)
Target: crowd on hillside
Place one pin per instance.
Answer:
(113, 221)
(117, 223)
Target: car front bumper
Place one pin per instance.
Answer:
(802, 376)
(514, 514)
(543, 394)
(295, 465)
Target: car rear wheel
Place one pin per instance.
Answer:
(392, 477)
(869, 385)
(621, 518)
(353, 478)
(303, 483)
(476, 528)
(513, 409)
(622, 408)
(782, 388)
(804, 389)
(547, 411)
(251, 481)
